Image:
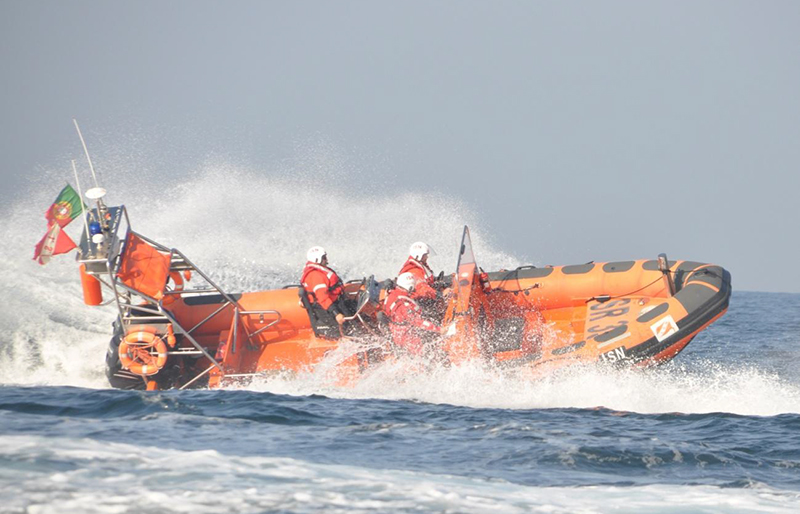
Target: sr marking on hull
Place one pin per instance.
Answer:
(664, 327)
(615, 355)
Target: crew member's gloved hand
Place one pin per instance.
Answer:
(439, 282)
(340, 318)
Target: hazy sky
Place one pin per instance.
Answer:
(578, 130)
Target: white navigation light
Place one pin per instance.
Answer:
(95, 193)
(98, 238)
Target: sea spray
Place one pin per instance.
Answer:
(711, 387)
(249, 229)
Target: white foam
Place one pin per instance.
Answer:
(102, 477)
(712, 388)
(249, 229)
(255, 230)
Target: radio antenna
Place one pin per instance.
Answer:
(83, 208)
(86, 151)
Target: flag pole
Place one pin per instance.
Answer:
(86, 151)
(83, 209)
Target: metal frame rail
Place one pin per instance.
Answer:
(155, 311)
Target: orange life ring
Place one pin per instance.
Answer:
(177, 281)
(142, 352)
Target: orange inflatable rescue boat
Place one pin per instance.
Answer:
(529, 320)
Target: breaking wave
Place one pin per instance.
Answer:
(102, 476)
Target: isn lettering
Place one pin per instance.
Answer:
(615, 355)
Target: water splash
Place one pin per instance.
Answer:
(249, 229)
(706, 388)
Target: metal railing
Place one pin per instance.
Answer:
(106, 268)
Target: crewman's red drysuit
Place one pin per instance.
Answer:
(322, 284)
(406, 321)
(424, 275)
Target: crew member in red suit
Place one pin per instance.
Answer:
(428, 291)
(324, 290)
(407, 325)
(417, 265)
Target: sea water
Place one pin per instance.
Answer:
(716, 430)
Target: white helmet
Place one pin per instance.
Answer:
(315, 254)
(407, 281)
(419, 249)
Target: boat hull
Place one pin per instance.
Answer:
(528, 319)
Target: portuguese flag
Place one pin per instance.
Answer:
(66, 208)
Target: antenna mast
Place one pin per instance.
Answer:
(86, 151)
(83, 208)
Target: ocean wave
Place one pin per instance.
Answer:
(69, 475)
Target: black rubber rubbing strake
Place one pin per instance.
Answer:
(653, 313)
(701, 303)
(209, 299)
(569, 348)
